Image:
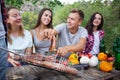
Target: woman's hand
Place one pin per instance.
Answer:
(13, 56)
(16, 57)
(42, 35)
(13, 62)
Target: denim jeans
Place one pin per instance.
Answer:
(3, 60)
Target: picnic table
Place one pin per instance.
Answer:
(47, 74)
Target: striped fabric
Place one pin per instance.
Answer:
(90, 42)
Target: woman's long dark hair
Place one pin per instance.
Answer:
(90, 25)
(39, 18)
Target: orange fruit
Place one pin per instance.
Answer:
(102, 56)
(105, 66)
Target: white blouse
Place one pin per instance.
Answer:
(95, 50)
(19, 44)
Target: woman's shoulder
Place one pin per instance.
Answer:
(27, 32)
(32, 31)
(102, 32)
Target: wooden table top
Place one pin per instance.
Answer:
(47, 74)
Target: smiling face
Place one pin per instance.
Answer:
(14, 17)
(46, 17)
(73, 21)
(97, 20)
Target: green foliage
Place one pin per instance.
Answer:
(14, 3)
(18, 3)
(29, 20)
(34, 1)
(116, 7)
(60, 15)
(53, 3)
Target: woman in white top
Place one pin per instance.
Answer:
(19, 40)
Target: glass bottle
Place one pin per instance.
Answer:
(117, 59)
(114, 47)
(102, 46)
(118, 42)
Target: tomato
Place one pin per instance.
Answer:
(90, 55)
(110, 58)
(65, 63)
(81, 54)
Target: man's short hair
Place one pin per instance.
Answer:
(80, 12)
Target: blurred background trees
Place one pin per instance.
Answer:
(109, 9)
